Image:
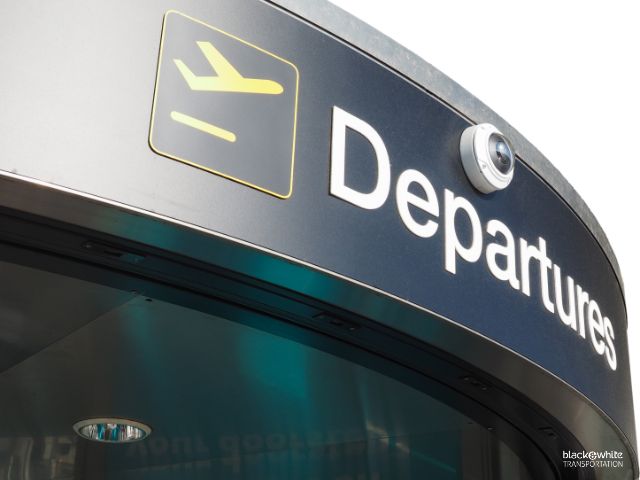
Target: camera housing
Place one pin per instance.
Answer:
(487, 157)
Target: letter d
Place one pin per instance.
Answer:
(369, 200)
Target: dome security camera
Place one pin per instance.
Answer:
(487, 157)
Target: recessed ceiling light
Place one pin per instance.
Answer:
(111, 430)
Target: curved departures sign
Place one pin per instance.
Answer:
(261, 240)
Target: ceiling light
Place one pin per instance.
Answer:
(111, 430)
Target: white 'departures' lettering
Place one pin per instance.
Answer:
(503, 253)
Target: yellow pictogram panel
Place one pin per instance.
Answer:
(225, 106)
(228, 79)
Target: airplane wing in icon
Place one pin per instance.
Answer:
(228, 79)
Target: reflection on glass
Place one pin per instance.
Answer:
(225, 400)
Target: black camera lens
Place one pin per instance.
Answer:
(501, 153)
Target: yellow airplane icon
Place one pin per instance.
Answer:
(228, 79)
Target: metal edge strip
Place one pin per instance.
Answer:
(364, 37)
